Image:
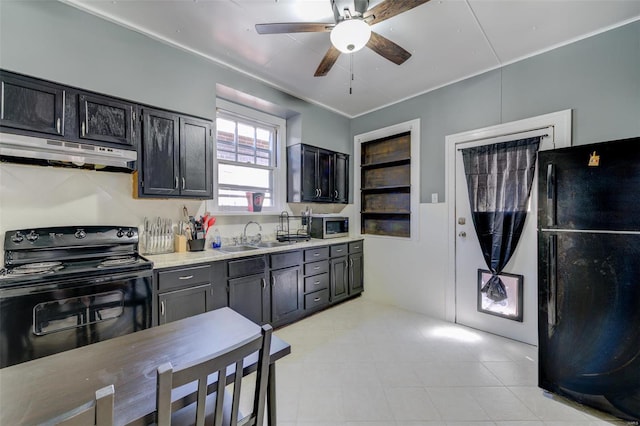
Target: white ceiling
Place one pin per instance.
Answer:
(449, 40)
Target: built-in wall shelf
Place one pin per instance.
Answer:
(386, 186)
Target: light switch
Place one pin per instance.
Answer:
(434, 197)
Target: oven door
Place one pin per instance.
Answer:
(37, 320)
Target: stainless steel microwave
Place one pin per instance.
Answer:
(329, 226)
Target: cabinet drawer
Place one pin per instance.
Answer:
(316, 300)
(317, 282)
(183, 277)
(284, 260)
(339, 250)
(316, 267)
(356, 247)
(242, 267)
(319, 253)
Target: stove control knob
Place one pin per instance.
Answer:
(80, 234)
(130, 233)
(17, 237)
(120, 233)
(32, 236)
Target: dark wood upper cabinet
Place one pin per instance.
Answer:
(32, 105)
(159, 152)
(106, 119)
(196, 157)
(316, 175)
(177, 154)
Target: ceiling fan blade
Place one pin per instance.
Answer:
(388, 9)
(294, 27)
(387, 49)
(327, 62)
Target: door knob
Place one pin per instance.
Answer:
(462, 234)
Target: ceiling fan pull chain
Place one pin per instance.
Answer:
(351, 74)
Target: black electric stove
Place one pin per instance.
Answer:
(65, 287)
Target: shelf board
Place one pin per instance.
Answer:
(386, 188)
(397, 162)
(385, 213)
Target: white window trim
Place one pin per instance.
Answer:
(412, 126)
(279, 173)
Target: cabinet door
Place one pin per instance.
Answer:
(339, 278)
(106, 120)
(356, 273)
(184, 303)
(286, 294)
(309, 173)
(160, 165)
(325, 175)
(30, 104)
(196, 157)
(341, 178)
(249, 296)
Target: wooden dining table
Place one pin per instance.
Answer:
(38, 390)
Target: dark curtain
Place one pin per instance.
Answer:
(499, 179)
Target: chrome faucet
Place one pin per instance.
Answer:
(256, 238)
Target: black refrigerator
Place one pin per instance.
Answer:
(589, 275)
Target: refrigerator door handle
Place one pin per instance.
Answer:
(552, 279)
(551, 195)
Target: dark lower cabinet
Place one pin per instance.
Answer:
(249, 296)
(356, 267)
(286, 295)
(339, 278)
(106, 119)
(184, 303)
(31, 104)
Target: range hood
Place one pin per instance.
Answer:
(79, 154)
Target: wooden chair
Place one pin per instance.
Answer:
(215, 407)
(98, 412)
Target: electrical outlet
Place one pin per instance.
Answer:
(434, 197)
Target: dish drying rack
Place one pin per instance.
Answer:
(301, 233)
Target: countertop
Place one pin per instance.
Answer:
(170, 260)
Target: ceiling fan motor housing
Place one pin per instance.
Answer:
(347, 9)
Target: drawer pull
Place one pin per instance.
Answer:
(186, 277)
(339, 250)
(316, 267)
(317, 299)
(316, 283)
(316, 254)
(356, 247)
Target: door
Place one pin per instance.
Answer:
(286, 300)
(184, 303)
(341, 178)
(249, 296)
(33, 105)
(339, 278)
(106, 120)
(196, 157)
(469, 259)
(160, 156)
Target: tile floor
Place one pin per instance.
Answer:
(366, 364)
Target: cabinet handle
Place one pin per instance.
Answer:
(176, 182)
(338, 250)
(184, 184)
(186, 277)
(58, 124)
(316, 267)
(264, 283)
(316, 283)
(162, 308)
(552, 282)
(356, 247)
(317, 299)
(318, 192)
(273, 281)
(551, 195)
(335, 194)
(351, 263)
(316, 254)
(83, 129)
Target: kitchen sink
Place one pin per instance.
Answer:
(267, 244)
(236, 249)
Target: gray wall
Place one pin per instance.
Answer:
(54, 41)
(599, 78)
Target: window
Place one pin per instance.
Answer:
(248, 145)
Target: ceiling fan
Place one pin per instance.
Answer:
(351, 30)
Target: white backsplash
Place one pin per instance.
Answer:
(36, 196)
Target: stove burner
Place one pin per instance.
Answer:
(37, 268)
(117, 261)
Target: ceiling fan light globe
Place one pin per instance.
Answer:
(350, 35)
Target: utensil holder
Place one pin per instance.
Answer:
(196, 245)
(180, 244)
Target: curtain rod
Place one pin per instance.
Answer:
(507, 137)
